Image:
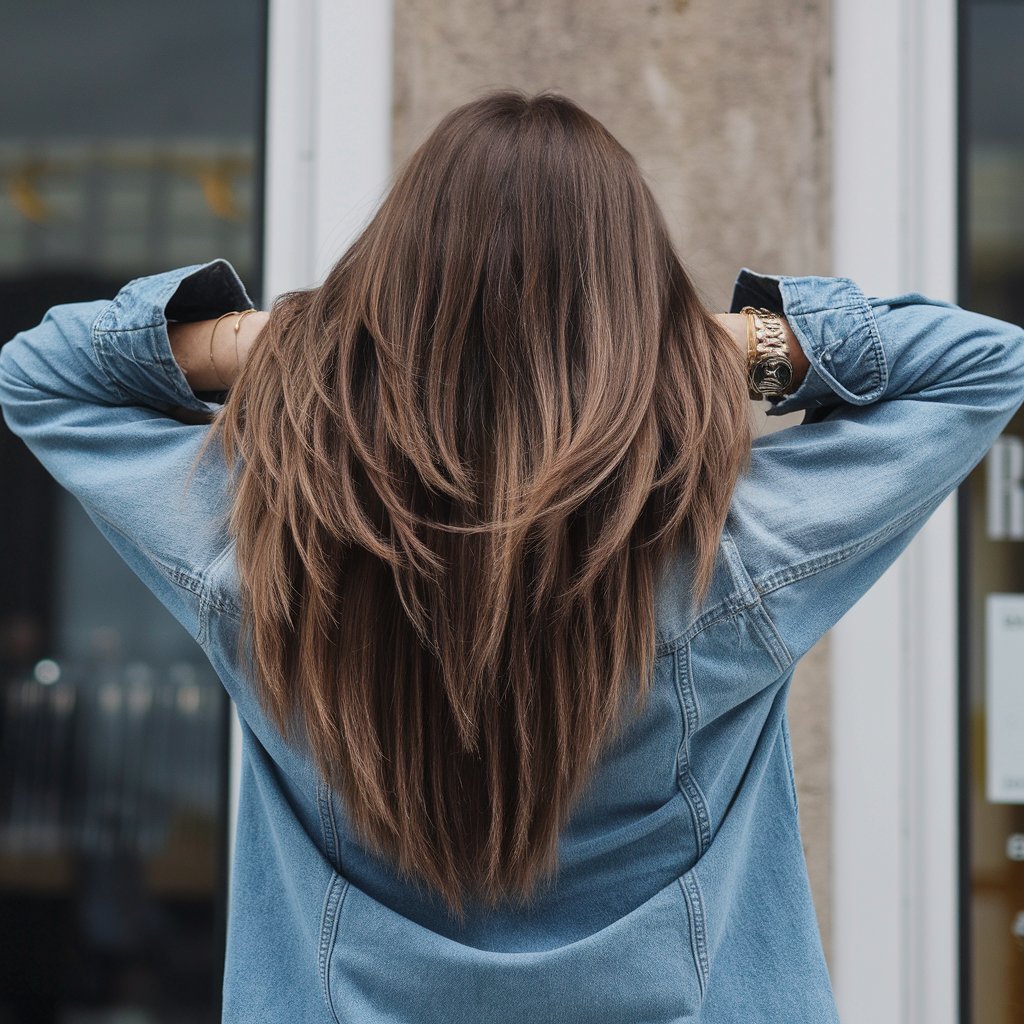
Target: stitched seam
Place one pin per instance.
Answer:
(727, 606)
(769, 637)
(761, 623)
(775, 640)
(698, 928)
(182, 577)
(733, 602)
(776, 580)
(685, 780)
(204, 612)
(337, 889)
(781, 577)
(334, 827)
(134, 330)
(725, 609)
(220, 601)
(327, 823)
(738, 571)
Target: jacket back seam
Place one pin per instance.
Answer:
(334, 897)
(690, 722)
(694, 900)
(328, 827)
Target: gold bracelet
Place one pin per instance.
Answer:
(216, 372)
(238, 324)
(231, 312)
(769, 369)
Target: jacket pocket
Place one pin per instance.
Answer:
(382, 967)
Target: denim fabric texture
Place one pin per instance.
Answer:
(682, 893)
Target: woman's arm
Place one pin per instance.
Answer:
(190, 345)
(95, 393)
(903, 397)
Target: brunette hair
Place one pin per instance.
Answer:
(462, 459)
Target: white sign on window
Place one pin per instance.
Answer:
(1005, 498)
(1004, 698)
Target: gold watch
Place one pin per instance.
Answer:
(769, 370)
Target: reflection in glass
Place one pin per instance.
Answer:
(133, 150)
(992, 528)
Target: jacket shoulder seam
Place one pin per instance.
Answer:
(778, 578)
(759, 618)
(686, 782)
(184, 578)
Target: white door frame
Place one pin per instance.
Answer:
(894, 656)
(328, 155)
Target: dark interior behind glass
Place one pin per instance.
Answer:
(133, 144)
(991, 506)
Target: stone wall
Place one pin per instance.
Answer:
(726, 107)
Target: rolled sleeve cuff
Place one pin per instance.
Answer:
(130, 336)
(834, 325)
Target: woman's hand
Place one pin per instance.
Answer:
(190, 345)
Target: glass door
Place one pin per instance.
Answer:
(131, 143)
(992, 530)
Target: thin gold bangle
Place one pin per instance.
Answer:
(751, 346)
(238, 324)
(230, 312)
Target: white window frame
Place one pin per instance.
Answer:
(894, 656)
(328, 157)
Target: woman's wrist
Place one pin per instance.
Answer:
(192, 349)
(735, 325)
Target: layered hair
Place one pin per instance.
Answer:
(459, 463)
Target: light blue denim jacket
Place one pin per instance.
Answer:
(682, 893)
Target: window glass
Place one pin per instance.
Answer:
(131, 143)
(992, 531)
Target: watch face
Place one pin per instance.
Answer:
(772, 376)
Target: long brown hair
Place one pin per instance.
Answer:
(462, 459)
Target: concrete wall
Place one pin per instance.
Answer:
(726, 107)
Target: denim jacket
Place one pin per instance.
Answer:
(682, 892)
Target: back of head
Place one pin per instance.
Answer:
(462, 459)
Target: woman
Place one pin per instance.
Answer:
(506, 596)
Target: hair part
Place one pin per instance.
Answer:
(462, 460)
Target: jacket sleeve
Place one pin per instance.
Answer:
(902, 399)
(95, 393)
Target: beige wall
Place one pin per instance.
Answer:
(725, 105)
